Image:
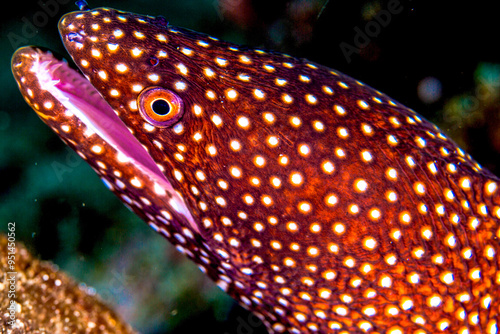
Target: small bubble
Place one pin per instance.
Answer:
(429, 90)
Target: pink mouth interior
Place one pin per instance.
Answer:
(83, 100)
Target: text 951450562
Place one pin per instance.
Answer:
(11, 274)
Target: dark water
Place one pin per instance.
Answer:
(65, 214)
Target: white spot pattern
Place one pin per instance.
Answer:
(278, 148)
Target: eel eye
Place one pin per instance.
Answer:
(159, 106)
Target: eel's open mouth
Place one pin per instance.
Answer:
(81, 99)
(67, 102)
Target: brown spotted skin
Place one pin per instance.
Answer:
(322, 205)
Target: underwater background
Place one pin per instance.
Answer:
(440, 59)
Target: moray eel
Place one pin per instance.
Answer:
(317, 202)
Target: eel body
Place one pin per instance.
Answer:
(317, 202)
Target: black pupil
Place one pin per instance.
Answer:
(161, 107)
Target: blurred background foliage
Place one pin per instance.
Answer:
(439, 58)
